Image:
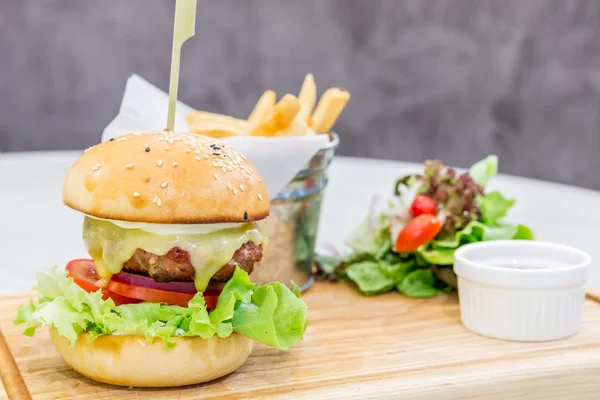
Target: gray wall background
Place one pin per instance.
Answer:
(451, 79)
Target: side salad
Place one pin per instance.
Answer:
(409, 246)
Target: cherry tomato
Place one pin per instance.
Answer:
(417, 232)
(159, 296)
(422, 204)
(84, 274)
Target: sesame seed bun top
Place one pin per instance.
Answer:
(165, 177)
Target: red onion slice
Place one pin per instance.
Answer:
(147, 281)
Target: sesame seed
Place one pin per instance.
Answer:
(147, 149)
(188, 150)
(214, 164)
(159, 202)
(111, 139)
(159, 163)
(234, 191)
(259, 180)
(216, 176)
(260, 196)
(230, 168)
(245, 215)
(175, 163)
(241, 187)
(206, 157)
(164, 184)
(171, 141)
(197, 158)
(224, 170)
(136, 194)
(155, 199)
(247, 177)
(166, 148)
(229, 186)
(216, 154)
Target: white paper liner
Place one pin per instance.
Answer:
(278, 160)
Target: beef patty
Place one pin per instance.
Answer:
(176, 266)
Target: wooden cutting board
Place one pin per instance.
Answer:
(358, 347)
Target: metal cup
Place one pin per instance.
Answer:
(292, 227)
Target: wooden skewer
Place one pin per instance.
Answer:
(593, 296)
(9, 372)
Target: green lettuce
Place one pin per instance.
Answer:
(419, 283)
(482, 171)
(270, 314)
(369, 240)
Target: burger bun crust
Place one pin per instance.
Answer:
(166, 178)
(133, 361)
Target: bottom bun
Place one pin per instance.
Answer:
(133, 361)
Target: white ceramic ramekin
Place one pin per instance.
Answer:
(521, 290)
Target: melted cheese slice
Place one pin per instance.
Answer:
(111, 246)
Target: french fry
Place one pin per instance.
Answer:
(262, 107)
(298, 127)
(278, 118)
(329, 109)
(307, 96)
(199, 118)
(215, 130)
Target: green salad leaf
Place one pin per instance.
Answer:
(269, 314)
(366, 239)
(370, 277)
(484, 170)
(419, 284)
(494, 206)
(523, 233)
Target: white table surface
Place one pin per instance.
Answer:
(37, 230)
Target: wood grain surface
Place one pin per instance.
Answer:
(11, 377)
(359, 347)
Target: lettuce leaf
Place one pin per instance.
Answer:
(366, 239)
(523, 233)
(375, 277)
(494, 206)
(275, 316)
(369, 277)
(419, 283)
(270, 314)
(484, 170)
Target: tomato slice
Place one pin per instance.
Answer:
(83, 272)
(159, 296)
(417, 232)
(118, 299)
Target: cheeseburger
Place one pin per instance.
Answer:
(165, 300)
